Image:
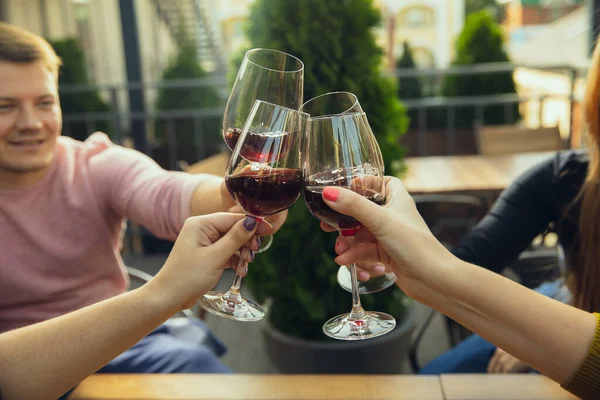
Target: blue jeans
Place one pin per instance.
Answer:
(161, 352)
(473, 354)
(167, 350)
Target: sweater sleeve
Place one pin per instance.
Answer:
(133, 186)
(586, 381)
(522, 211)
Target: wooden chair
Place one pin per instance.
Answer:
(510, 139)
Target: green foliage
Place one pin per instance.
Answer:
(74, 72)
(336, 44)
(495, 9)
(409, 87)
(481, 41)
(334, 39)
(185, 66)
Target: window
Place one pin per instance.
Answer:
(423, 58)
(417, 17)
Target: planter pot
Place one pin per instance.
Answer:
(381, 355)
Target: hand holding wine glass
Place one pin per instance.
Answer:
(268, 75)
(338, 103)
(264, 177)
(340, 150)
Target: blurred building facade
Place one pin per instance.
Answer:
(429, 26)
(521, 13)
(550, 41)
(97, 25)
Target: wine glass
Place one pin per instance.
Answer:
(340, 150)
(332, 103)
(268, 75)
(264, 177)
(336, 103)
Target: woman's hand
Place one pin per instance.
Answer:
(204, 248)
(504, 363)
(393, 236)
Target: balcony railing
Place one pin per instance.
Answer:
(205, 143)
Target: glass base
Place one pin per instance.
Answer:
(375, 324)
(373, 285)
(265, 243)
(240, 310)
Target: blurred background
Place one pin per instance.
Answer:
(432, 75)
(156, 72)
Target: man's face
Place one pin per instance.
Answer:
(30, 119)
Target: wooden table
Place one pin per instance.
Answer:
(322, 387)
(502, 387)
(460, 174)
(258, 387)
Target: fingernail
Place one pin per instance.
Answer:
(331, 194)
(379, 269)
(252, 254)
(364, 276)
(259, 241)
(249, 224)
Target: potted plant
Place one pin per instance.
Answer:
(296, 277)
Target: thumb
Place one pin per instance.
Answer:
(350, 203)
(236, 237)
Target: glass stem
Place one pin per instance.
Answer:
(357, 313)
(233, 294)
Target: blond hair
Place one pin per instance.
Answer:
(18, 45)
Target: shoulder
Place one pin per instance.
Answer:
(95, 144)
(570, 171)
(571, 161)
(563, 167)
(570, 168)
(98, 152)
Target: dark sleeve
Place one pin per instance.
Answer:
(522, 211)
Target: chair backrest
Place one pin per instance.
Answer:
(450, 216)
(535, 267)
(510, 139)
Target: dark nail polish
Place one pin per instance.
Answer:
(249, 223)
(259, 241)
(252, 254)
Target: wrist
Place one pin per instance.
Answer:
(435, 280)
(159, 298)
(446, 270)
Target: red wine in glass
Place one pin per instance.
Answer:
(231, 137)
(266, 191)
(266, 147)
(264, 177)
(348, 226)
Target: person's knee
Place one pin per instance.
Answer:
(470, 356)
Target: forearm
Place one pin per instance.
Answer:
(533, 328)
(211, 196)
(47, 359)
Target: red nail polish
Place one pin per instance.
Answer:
(331, 194)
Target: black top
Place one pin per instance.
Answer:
(541, 196)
